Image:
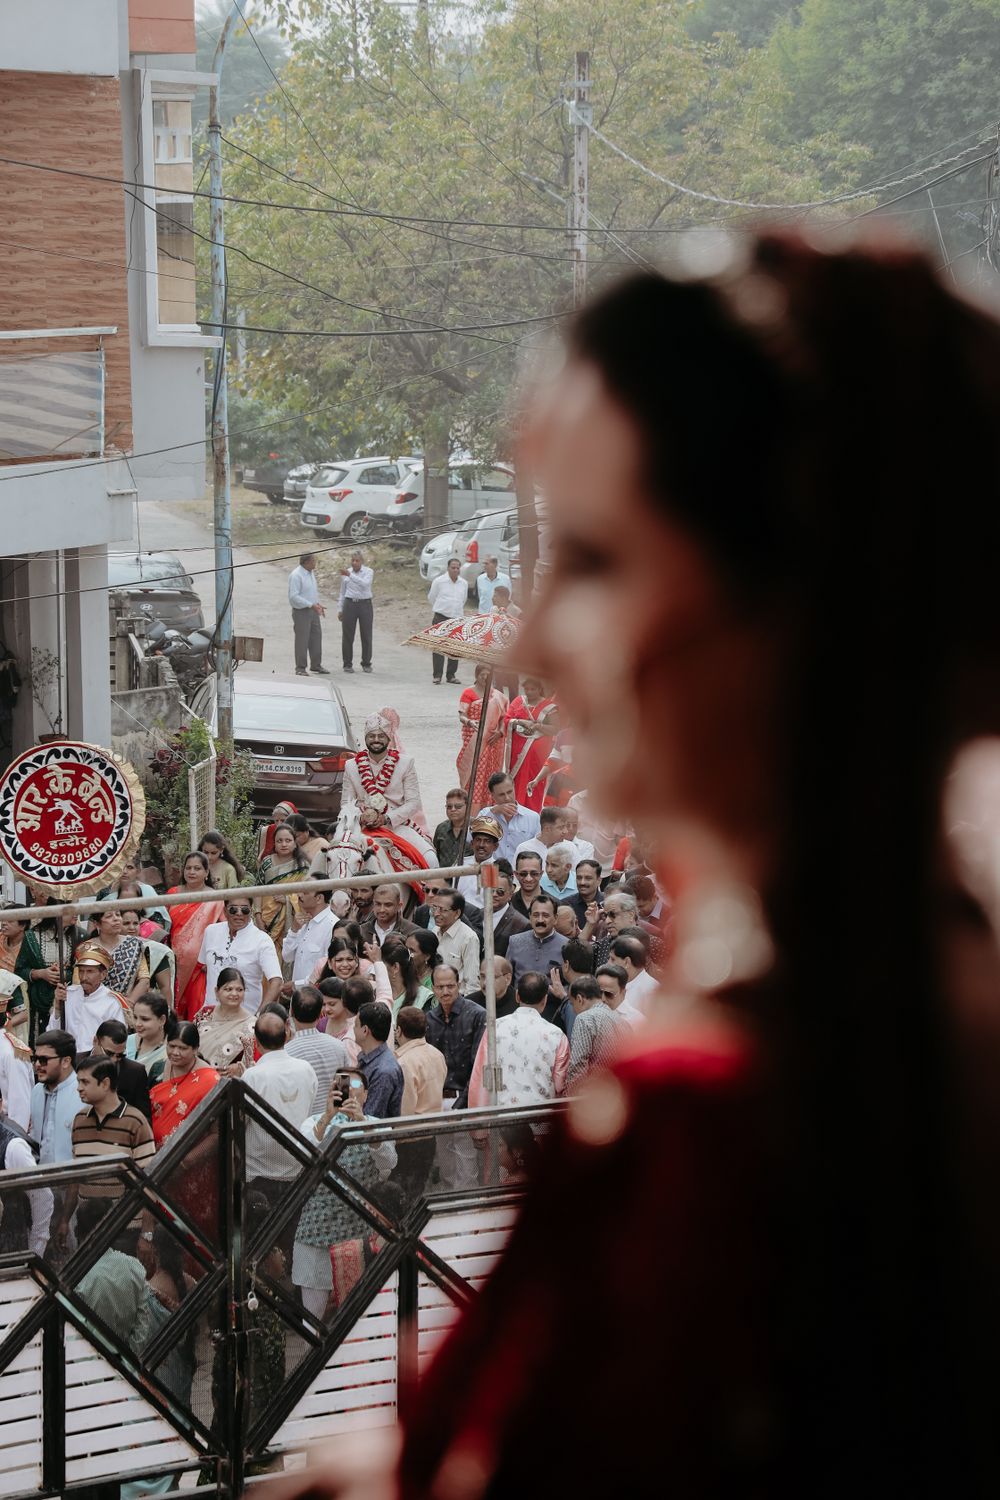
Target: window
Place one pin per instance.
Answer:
(497, 479)
(326, 477)
(166, 168)
(460, 479)
(381, 474)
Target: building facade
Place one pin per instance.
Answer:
(102, 362)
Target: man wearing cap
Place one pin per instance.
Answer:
(85, 1005)
(485, 834)
(383, 781)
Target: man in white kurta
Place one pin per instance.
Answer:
(86, 1005)
(383, 781)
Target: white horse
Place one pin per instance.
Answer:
(378, 852)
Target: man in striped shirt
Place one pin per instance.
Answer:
(107, 1126)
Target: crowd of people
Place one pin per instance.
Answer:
(330, 1012)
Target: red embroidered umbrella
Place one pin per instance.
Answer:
(487, 638)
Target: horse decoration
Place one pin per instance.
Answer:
(379, 852)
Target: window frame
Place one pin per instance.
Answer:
(162, 84)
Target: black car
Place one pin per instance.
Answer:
(157, 585)
(267, 473)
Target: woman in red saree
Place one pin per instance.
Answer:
(470, 708)
(530, 746)
(187, 1081)
(189, 921)
(759, 1257)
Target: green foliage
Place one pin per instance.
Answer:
(246, 80)
(167, 836)
(752, 21)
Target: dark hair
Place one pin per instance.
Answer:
(307, 1004)
(326, 894)
(115, 1031)
(155, 1002)
(550, 815)
(188, 1035)
(226, 976)
(340, 945)
(457, 791)
(427, 942)
(586, 988)
(640, 935)
(847, 333)
(630, 948)
(334, 988)
(411, 1022)
(519, 1138)
(615, 972)
(395, 951)
(298, 824)
(349, 929)
(497, 778)
(123, 891)
(305, 557)
(203, 861)
(532, 988)
(455, 899)
(579, 956)
(357, 992)
(544, 897)
(593, 864)
(5, 916)
(505, 867)
(298, 858)
(63, 1043)
(271, 1038)
(100, 1068)
(529, 854)
(378, 1019)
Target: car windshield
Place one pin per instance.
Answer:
(125, 571)
(317, 717)
(328, 476)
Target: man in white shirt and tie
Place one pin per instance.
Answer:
(303, 596)
(448, 595)
(356, 607)
(307, 940)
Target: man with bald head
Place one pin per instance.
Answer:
(288, 1085)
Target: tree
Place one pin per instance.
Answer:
(752, 21)
(246, 79)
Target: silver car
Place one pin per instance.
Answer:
(489, 533)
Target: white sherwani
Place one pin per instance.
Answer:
(402, 792)
(84, 1013)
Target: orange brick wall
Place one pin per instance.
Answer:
(50, 222)
(161, 26)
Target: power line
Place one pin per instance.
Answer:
(851, 197)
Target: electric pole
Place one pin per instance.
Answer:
(220, 408)
(580, 116)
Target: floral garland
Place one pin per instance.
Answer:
(374, 783)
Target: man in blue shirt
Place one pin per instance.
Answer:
(382, 1074)
(517, 823)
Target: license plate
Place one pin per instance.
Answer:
(315, 520)
(282, 767)
(249, 473)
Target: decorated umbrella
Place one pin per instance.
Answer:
(487, 638)
(71, 814)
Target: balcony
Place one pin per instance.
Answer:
(52, 399)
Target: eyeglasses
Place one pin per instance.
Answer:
(243, 911)
(41, 1061)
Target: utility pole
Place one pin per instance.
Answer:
(220, 409)
(580, 117)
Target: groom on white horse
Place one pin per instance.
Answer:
(383, 781)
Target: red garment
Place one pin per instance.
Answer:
(528, 756)
(491, 750)
(638, 1262)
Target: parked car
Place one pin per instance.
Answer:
(434, 557)
(159, 586)
(297, 481)
(299, 734)
(266, 475)
(342, 495)
(488, 533)
(471, 487)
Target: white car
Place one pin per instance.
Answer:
(488, 533)
(434, 557)
(344, 495)
(471, 487)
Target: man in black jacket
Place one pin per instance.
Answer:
(133, 1080)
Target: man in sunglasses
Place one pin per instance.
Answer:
(237, 943)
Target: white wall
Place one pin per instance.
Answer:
(59, 36)
(66, 504)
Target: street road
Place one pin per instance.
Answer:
(429, 726)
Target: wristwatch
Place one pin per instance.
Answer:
(147, 1234)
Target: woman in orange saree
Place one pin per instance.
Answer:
(470, 707)
(189, 921)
